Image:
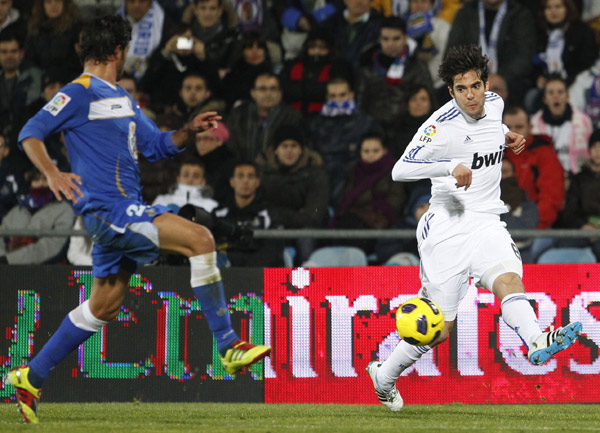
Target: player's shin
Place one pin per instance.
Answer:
(77, 326)
(403, 356)
(208, 288)
(518, 313)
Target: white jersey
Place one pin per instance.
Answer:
(450, 137)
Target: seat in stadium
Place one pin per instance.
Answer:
(567, 255)
(336, 256)
(402, 259)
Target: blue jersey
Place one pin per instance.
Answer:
(104, 129)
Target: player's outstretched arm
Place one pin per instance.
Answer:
(515, 141)
(60, 183)
(202, 122)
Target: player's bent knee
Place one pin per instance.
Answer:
(201, 240)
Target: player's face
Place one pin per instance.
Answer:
(266, 92)
(53, 8)
(371, 150)
(339, 92)
(518, 123)
(555, 12)
(419, 104)
(556, 97)
(468, 91)
(191, 175)
(288, 152)
(244, 181)
(208, 13)
(136, 9)
(193, 91)
(392, 41)
(11, 56)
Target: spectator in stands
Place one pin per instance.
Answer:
(210, 28)
(295, 185)
(190, 188)
(431, 34)
(497, 84)
(91, 9)
(537, 169)
(385, 72)
(247, 209)
(336, 133)
(251, 59)
(19, 85)
(79, 252)
(522, 212)
(355, 28)
(38, 209)
(304, 80)
(252, 123)
(564, 44)
(506, 35)
(52, 81)
(421, 104)
(398, 8)
(210, 147)
(569, 128)
(582, 204)
(195, 96)
(370, 199)
(151, 28)
(12, 183)
(130, 85)
(256, 16)
(54, 29)
(584, 93)
(11, 20)
(298, 18)
(169, 65)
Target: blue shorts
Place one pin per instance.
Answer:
(123, 236)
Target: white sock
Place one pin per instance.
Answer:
(403, 356)
(83, 318)
(519, 315)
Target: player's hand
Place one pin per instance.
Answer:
(515, 141)
(65, 184)
(463, 176)
(205, 121)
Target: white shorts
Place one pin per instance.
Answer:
(457, 245)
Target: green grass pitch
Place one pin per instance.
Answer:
(225, 417)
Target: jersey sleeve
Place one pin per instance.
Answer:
(425, 156)
(69, 108)
(152, 142)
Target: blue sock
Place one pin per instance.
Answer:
(214, 308)
(66, 339)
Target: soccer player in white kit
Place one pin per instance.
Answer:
(460, 149)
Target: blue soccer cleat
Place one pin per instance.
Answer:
(552, 342)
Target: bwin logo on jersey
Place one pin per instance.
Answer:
(486, 160)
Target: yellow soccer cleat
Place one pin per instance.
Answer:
(28, 397)
(242, 354)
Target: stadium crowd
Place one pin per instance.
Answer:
(318, 98)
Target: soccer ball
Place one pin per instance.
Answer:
(419, 321)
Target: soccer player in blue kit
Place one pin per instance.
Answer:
(104, 130)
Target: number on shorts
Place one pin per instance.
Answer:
(516, 251)
(135, 209)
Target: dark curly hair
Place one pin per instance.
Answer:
(101, 37)
(461, 59)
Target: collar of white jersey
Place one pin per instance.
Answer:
(468, 118)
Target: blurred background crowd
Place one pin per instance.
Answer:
(319, 98)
